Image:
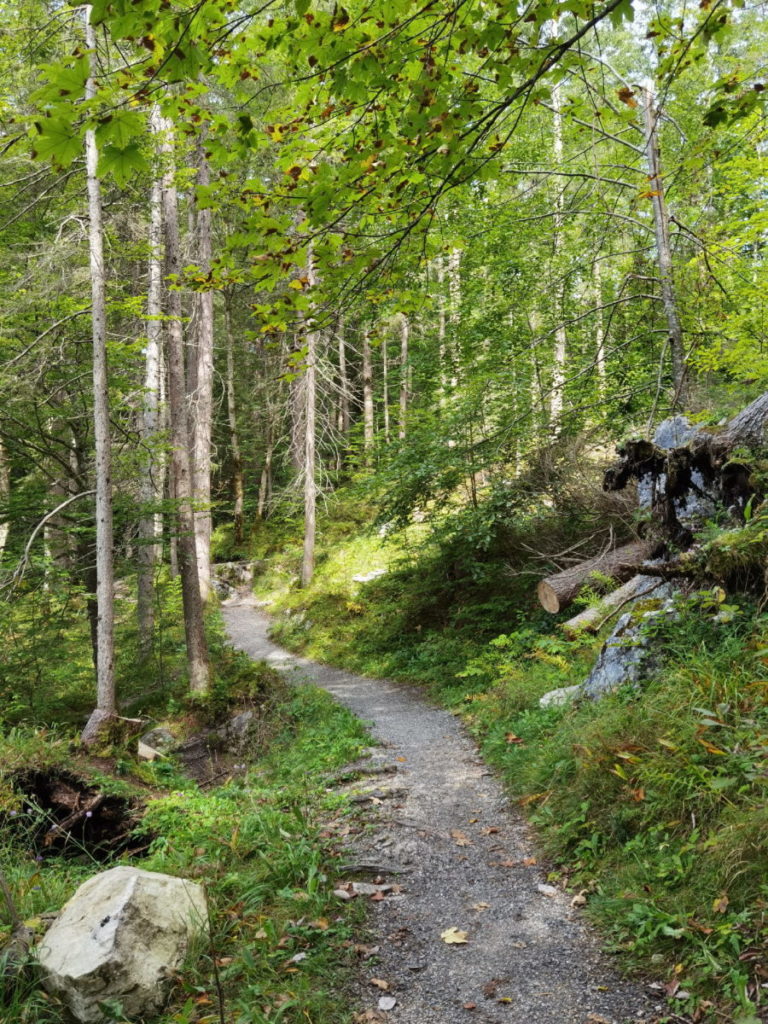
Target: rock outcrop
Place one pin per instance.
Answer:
(121, 937)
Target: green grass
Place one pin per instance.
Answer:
(256, 845)
(652, 801)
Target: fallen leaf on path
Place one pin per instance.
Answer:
(470, 1006)
(363, 950)
(377, 896)
(387, 1003)
(454, 937)
(322, 924)
(480, 906)
(511, 738)
(529, 862)
(460, 837)
(504, 864)
(344, 894)
(504, 999)
(489, 830)
(380, 983)
(580, 900)
(401, 759)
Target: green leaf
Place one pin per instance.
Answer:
(56, 141)
(123, 163)
(121, 130)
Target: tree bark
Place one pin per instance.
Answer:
(561, 340)
(150, 525)
(385, 386)
(404, 339)
(556, 592)
(238, 489)
(194, 625)
(310, 486)
(590, 620)
(5, 494)
(106, 705)
(663, 248)
(201, 388)
(343, 379)
(367, 397)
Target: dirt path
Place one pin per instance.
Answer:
(445, 831)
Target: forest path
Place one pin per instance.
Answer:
(441, 823)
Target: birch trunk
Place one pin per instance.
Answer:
(404, 339)
(201, 396)
(385, 386)
(151, 526)
(343, 380)
(238, 489)
(310, 402)
(663, 247)
(194, 626)
(105, 658)
(561, 341)
(597, 287)
(367, 397)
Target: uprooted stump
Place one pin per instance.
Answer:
(67, 816)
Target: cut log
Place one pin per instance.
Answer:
(591, 619)
(556, 592)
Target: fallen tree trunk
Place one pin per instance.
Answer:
(556, 592)
(592, 618)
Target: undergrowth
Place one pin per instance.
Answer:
(651, 801)
(280, 941)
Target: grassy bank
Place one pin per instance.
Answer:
(259, 838)
(650, 803)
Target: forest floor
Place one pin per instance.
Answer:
(469, 930)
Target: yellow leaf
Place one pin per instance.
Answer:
(721, 904)
(454, 937)
(295, 284)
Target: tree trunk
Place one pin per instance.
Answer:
(663, 248)
(5, 494)
(385, 386)
(556, 592)
(201, 388)
(561, 340)
(234, 437)
(592, 618)
(597, 290)
(150, 525)
(105, 667)
(404, 339)
(367, 397)
(194, 625)
(310, 398)
(343, 380)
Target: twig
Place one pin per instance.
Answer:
(73, 818)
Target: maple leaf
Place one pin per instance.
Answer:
(454, 937)
(460, 837)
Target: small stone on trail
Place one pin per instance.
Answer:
(546, 890)
(387, 1003)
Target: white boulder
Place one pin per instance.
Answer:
(120, 937)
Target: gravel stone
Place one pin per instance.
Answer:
(537, 956)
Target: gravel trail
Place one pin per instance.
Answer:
(442, 829)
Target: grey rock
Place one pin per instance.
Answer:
(121, 937)
(563, 695)
(155, 743)
(366, 577)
